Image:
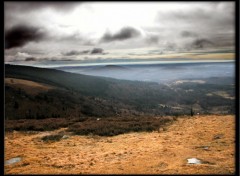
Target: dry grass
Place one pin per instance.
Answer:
(164, 152)
(28, 86)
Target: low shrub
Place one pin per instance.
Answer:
(115, 126)
(84, 126)
(36, 125)
(52, 138)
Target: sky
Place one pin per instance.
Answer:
(113, 31)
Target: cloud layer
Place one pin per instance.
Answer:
(84, 52)
(80, 30)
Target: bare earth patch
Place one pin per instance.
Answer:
(30, 87)
(208, 138)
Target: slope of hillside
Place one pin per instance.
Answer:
(83, 83)
(26, 99)
(99, 96)
(31, 87)
(208, 138)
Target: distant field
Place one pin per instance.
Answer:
(158, 72)
(30, 87)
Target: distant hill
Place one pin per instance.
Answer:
(83, 83)
(82, 95)
(74, 95)
(111, 67)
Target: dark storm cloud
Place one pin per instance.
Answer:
(202, 43)
(97, 51)
(30, 59)
(124, 34)
(84, 52)
(19, 36)
(74, 53)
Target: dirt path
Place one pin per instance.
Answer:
(208, 138)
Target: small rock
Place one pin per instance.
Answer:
(162, 165)
(207, 162)
(205, 148)
(194, 161)
(160, 129)
(218, 136)
(65, 137)
(13, 160)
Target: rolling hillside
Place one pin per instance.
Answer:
(77, 95)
